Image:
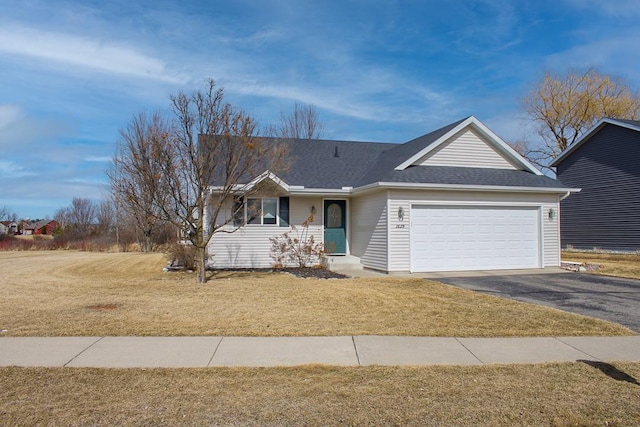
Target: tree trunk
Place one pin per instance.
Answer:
(201, 264)
(148, 244)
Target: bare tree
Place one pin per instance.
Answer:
(105, 216)
(77, 219)
(211, 160)
(82, 214)
(63, 217)
(302, 123)
(208, 158)
(566, 106)
(6, 214)
(136, 171)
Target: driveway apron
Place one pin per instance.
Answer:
(609, 298)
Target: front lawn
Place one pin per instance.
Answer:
(64, 293)
(569, 394)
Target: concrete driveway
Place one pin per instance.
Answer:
(609, 298)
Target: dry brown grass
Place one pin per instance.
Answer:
(571, 394)
(60, 293)
(620, 265)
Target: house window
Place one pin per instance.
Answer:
(262, 211)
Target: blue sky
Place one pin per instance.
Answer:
(72, 73)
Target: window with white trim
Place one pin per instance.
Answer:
(262, 211)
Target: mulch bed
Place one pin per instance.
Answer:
(305, 273)
(314, 273)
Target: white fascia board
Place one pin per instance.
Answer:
(235, 188)
(596, 128)
(459, 187)
(498, 143)
(294, 190)
(273, 177)
(323, 191)
(504, 147)
(265, 175)
(433, 145)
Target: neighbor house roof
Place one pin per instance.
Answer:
(629, 124)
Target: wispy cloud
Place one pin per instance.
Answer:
(9, 114)
(73, 72)
(9, 169)
(18, 131)
(613, 54)
(70, 49)
(620, 8)
(98, 159)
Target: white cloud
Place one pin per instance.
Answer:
(617, 8)
(18, 131)
(9, 169)
(74, 50)
(98, 159)
(619, 55)
(9, 114)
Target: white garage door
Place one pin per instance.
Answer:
(454, 238)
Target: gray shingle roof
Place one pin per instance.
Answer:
(469, 176)
(336, 164)
(330, 164)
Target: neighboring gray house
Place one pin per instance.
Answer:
(605, 164)
(458, 198)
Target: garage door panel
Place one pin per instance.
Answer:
(473, 238)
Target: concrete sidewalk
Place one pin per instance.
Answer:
(191, 352)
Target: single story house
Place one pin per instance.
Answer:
(42, 227)
(9, 227)
(458, 198)
(604, 163)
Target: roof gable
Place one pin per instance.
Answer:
(628, 124)
(469, 143)
(466, 149)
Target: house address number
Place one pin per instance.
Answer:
(399, 225)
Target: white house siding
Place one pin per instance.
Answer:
(466, 150)
(551, 231)
(300, 209)
(399, 231)
(249, 246)
(369, 229)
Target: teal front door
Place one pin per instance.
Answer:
(335, 226)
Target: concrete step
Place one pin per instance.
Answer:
(342, 262)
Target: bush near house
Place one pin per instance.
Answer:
(296, 247)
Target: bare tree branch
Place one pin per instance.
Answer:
(302, 123)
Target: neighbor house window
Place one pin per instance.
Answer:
(262, 211)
